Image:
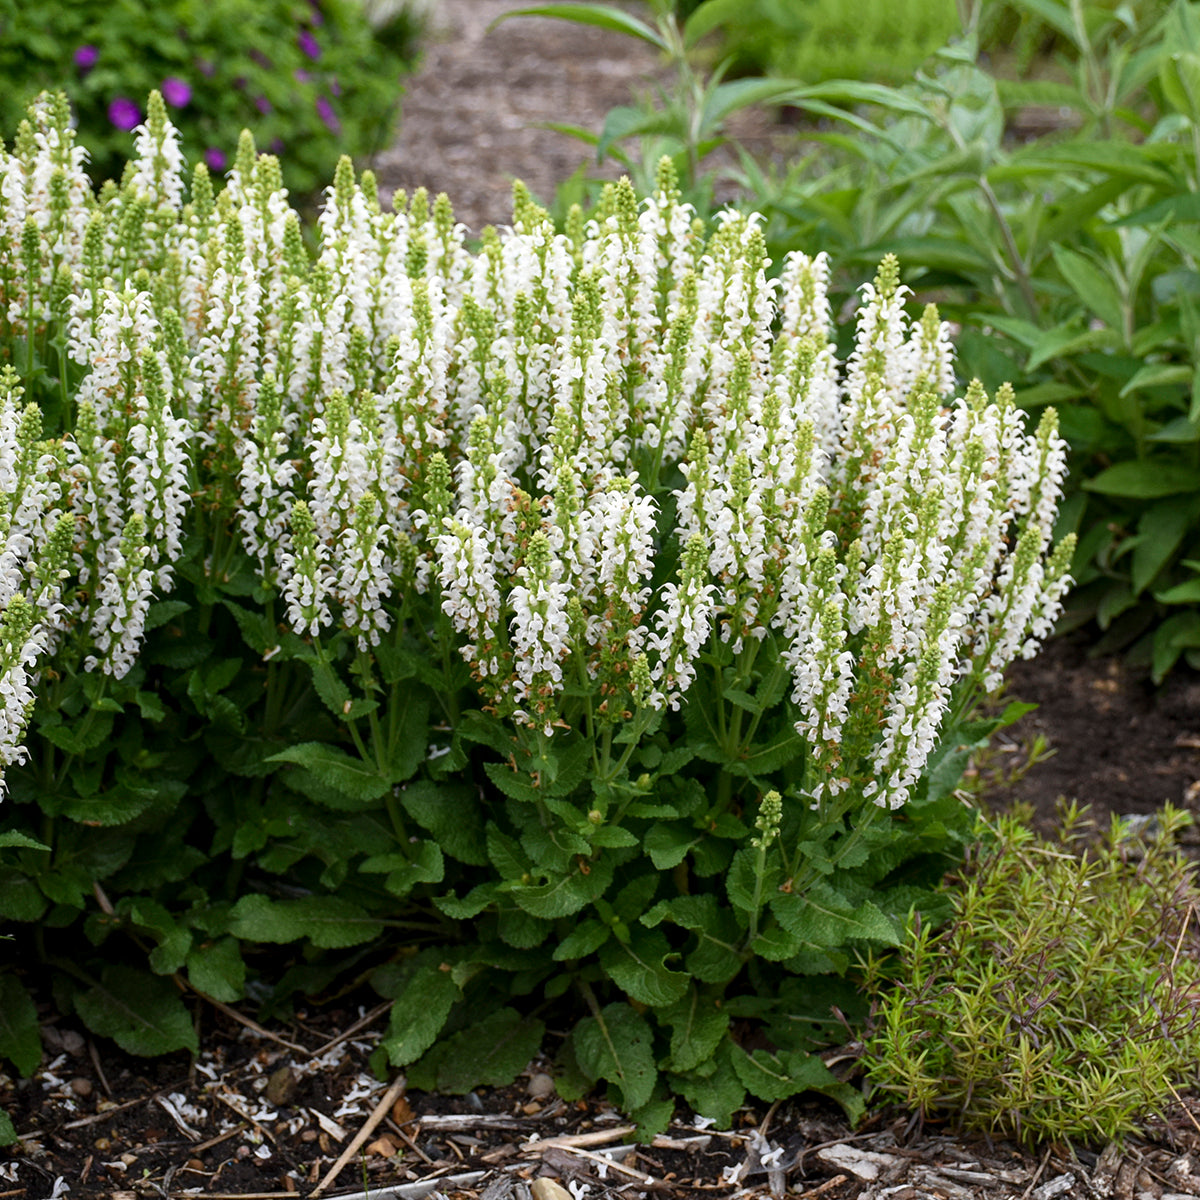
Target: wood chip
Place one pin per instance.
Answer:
(379, 1112)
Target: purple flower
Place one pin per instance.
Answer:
(259, 57)
(334, 86)
(308, 43)
(123, 113)
(240, 83)
(215, 158)
(85, 57)
(206, 68)
(277, 146)
(263, 105)
(175, 91)
(316, 18)
(326, 113)
(302, 76)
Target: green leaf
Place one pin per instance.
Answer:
(773, 1077)
(1157, 375)
(763, 760)
(697, 1026)
(20, 1041)
(1091, 285)
(586, 938)
(568, 893)
(174, 941)
(708, 16)
(334, 693)
(623, 121)
(1160, 533)
(412, 737)
(742, 880)
(1144, 480)
(257, 632)
(1187, 592)
(668, 844)
(329, 922)
(144, 1014)
(15, 840)
(601, 15)
(217, 970)
(820, 917)
(514, 784)
(349, 777)
(639, 969)
(718, 1095)
(420, 1013)
(163, 611)
(617, 1045)
(8, 1134)
(490, 1053)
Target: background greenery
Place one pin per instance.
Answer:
(244, 61)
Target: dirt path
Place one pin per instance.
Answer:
(470, 114)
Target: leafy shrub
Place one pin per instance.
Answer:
(312, 79)
(560, 621)
(880, 41)
(1060, 1000)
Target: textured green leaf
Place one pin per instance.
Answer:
(142, 1013)
(8, 1134)
(568, 893)
(217, 970)
(327, 921)
(412, 735)
(162, 611)
(822, 918)
(586, 938)
(491, 1053)
(639, 969)
(352, 778)
(668, 844)
(257, 632)
(514, 784)
(616, 1045)
(773, 1077)
(1091, 285)
(174, 941)
(452, 813)
(22, 841)
(420, 1014)
(718, 1094)
(715, 959)
(697, 1026)
(20, 1041)
(741, 881)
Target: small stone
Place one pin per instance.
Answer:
(72, 1042)
(541, 1086)
(81, 1086)
(309, 1135)
(531, 1109)
(128, 1159)
(549, 1189)
(195, 1164)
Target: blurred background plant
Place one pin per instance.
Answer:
(312, 80)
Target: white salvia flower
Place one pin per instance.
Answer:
(540, 635)
(18, 656)
(683, 623)
(158, 161)
(471, 594)
(305, 572)
(364, 574)
(123, 594)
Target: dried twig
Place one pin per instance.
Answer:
(381, 1110)
(245, 1117)
(95, 1057)
(234, 1015)
(641, 1176)
(412, 1145)
(569, 1141)
(176, 1116)
(1037, 1175)
(221, 1137)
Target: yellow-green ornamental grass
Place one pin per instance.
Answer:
(1062, 1000)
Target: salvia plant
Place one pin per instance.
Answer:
(1060, 1001)
(557, 626)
